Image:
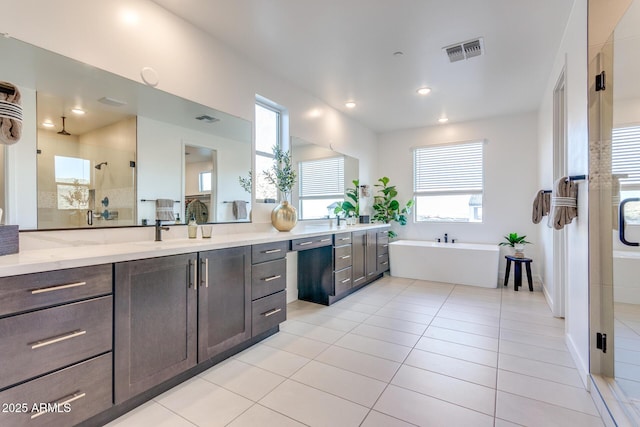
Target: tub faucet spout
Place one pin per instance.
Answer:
(446, 238)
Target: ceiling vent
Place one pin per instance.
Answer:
(469, 49)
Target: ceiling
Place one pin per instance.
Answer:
(343, 50)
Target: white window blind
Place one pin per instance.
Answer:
(625, 154)
(455, 168)
(321, 178)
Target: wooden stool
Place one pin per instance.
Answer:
(517, 274)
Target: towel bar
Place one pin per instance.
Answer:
(153, 200)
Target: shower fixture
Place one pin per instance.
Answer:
(63, 131)
(99, 165)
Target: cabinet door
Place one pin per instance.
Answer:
(224, 302)
(358, 247)
(155, 322)
(371, 262)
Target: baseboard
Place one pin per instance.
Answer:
(581, 366)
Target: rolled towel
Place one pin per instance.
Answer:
(541, 206)
(10, 115)
(164, 210)
(564, 203)
(240, 209)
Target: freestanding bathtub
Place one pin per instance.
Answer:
(474, 264)
(626, 277)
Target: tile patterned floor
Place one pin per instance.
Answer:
(397, 353)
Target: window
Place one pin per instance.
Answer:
(72, 182)
(268, 135)
(204, 182)
(448, 182)
(321, 185)
(625, 160)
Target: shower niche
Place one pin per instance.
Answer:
(86, 174)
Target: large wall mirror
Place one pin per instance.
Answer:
(98, 150)
(323, 177)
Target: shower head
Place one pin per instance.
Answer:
(99, 165)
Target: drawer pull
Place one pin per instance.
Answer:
(57, 288)
(205, 262)
(268, 279)
(64, 401)
(345, 257)
(342, 239)
(304, 243)
(358, 279)
(272, 251)
(385, 246)
(325, 240)
(272, 312)
(53, 340)
(385, 263)
(345, 281)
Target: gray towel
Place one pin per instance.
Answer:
(164, 210)
(240, 209)
(541, 206)
(564, 203)
(10, 115)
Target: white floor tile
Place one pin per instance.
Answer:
(413, 308)
(469, 327)
(419, 409)
(258, 415)
(465, 316)
(533, 339)
(296, 344)
(378, 419)
(348, 385)
(314, 332)
(463, 393)
(203, 403)
(374, 347)
(549, 355)
(327, 321)
(409, 316)
(360, 363)
(274, 360)
(461, 369)
(246, 380)
(151, 414)
(543, 370)
(388, 335)
(534, 328)
(459, 351)
(313, 407)
(464, 338)
(396, 324)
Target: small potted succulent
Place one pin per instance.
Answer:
(516, 242)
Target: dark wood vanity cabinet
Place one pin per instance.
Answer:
(155, 322)
(382, 250)
(224, 301)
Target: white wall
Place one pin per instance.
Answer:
(510, 164)
(189, 63)
(572, 54)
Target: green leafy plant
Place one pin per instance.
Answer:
(513, 239)
(351, 206)
(281, 174)
(245, 183)
(387, 208)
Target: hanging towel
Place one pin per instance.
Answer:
(564, 203)
(541, 206)
(164, 210)
(615, 201)
(197, 210)
(10, 115)
(240, 209)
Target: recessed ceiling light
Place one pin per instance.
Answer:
(78, 111)
(111, 101)
(350, 104)
(443, 120)
(424, 90)
(48, 124)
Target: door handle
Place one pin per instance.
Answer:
(89, 217)
(621, 222)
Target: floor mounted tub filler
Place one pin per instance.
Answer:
(473, 264)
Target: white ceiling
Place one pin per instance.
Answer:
(340, 50)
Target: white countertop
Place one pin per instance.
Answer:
(80, 255)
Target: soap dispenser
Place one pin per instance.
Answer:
(192, 228)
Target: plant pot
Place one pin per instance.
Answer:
(284, 216)
(518, 250)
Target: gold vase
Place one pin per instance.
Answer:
(284, 216)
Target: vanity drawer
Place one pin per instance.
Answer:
(311, 242)
(38, 290)
(39, 342)
(268, 312)
(81, 391)
(383, 247)
(383, 234)
(341, 257)
(269, 251)
(268, 278)
(383, 262)
(342, 281)
(340, 239)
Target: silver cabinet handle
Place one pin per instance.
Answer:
(272, 251)
(205, 263)
(345, 281)
(358, 279)
(385, 246)
(304, 243)
(65, 400)
(272, 312)
(342, 239)
(385, 263)
(326, 240)
(268, 279)
(57, 288)
(192, 274)
(345, 257)
(57, 338)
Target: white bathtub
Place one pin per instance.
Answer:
(626, 277)
(474, 264)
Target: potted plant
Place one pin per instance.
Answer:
(387, 208)
(516, 242)
(282, 175)
(350, 207)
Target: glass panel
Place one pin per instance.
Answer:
(267, 129)
(318, 208)
(264, 190)
(449, 208)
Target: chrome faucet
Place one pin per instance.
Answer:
(159, 229)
